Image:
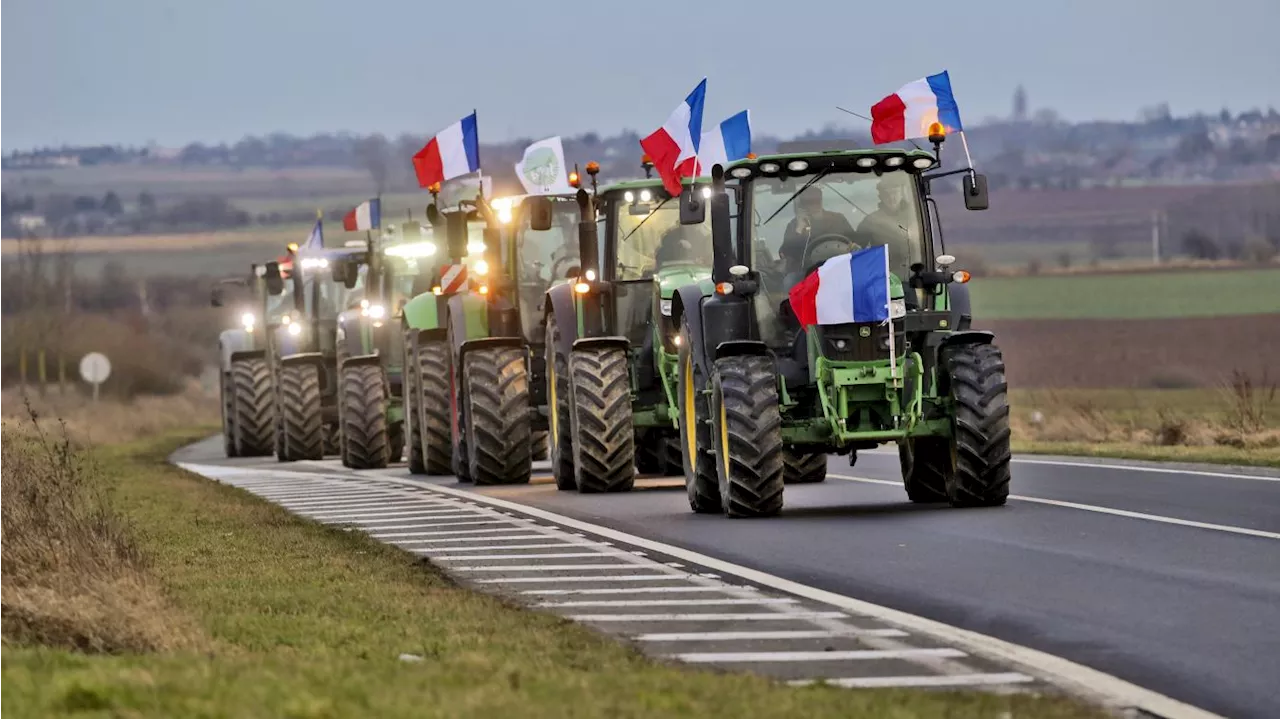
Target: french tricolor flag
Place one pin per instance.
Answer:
(673, 148)
(908, 112)
(729, 141)
(366, 216)
(455, 151)
(846, 288)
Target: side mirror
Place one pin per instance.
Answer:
(275, 283)
(215, 297)
(975, 192)
(348, 273)
(693, 208)
(540, 214)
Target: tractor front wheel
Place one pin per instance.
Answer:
(980, 427)
(254, 425)
(227, 399)
(748, 434)
(497, 415)
(538, 445)
(926, 465)
(299, 408)
(604, 450)
(696, 453)
(365, 435)
(412, 398)
(559, 415)
(433, 407)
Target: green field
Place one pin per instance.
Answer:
(1150, 295)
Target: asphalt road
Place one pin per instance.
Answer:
(1188, 611)
(1155, 574)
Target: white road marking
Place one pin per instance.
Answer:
(400, 518)
(838, 655)
(1140, 468)
(426, 525)
(495, 547)
(495, 557)
(602, 579)
(454, 540)
(548, 567)
(668, 602)
(452, 512)
(334, 495)
(636, 590)
(332, 506)
(1102, 510)
(723, 617)
(928, 680)
(495, 530)
(761, 636)
(1076, 678)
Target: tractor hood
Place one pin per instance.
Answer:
(672, 278)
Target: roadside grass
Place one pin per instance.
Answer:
(1238, 423)
(296, 619)
(1138, 295)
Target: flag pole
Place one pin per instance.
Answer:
(964, 142)
(893, 350)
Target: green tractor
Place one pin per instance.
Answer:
(611, 346)
(244, 375)
(302, 352)
(764, 399)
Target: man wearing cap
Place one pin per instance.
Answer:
(811, 221)
(893, 222)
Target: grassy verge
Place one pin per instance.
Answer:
(290, 618)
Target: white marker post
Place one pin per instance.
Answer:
(95, 368)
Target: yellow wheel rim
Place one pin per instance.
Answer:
(553, 404)
(724, 439)
(690, 418)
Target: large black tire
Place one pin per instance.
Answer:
(433, 407)
(696, 454)
(650, 454)
(926, 464)
(604, 450)
(748, 434)
(365, 435)
(254, 407)
(538, 448)
(980, 428)
(559, 414)
(227, 400)
(412, 398)
(803, 467)
(301, 423)
(460, 460)
(497, 415)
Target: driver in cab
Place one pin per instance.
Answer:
(812, 221)
(888, 224)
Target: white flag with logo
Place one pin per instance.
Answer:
(542, 171)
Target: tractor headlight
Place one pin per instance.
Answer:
(248, 320)
(897, 309)
(865, 162)
(665, 306)
(481, 268)
(770, 168)
(646, 196)
(377, 312)
(476, 247)
(629, 196)
(740, 172)
(294, 328)
(894, 161)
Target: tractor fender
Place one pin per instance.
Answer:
(362, 360)
(234, 345)
(424, 312)
(467, 318)
(485, 342)
(961, 310)
(957, 339)
(303, 358)
(609, 341)
(560, 304)
(435, 334)
(734, 348)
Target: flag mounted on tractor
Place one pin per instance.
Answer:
(366, 216)
(673, 148)
(453, 152)
(847, 288)
(908, 113)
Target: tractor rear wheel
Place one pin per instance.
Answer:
(748, 433)
(538, 445)
(433, 404)
(980, 428)
(412, 398)
(365, 435)
(696, 454)
(497, 415)
(300, 420)
(227, 399)
(460, 463)
(559, 416)
(803, 467)
(926, 464)
(604, 450)
(254, 424)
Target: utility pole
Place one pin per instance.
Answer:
(1155, 237)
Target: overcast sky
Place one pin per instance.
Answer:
(174, 71)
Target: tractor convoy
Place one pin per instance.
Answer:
(622, 329)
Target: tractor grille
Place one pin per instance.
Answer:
(859, 342)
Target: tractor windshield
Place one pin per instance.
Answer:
(838, 213)
(549, 255)
(650, 237)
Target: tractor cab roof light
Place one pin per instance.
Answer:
(740, 173)
(922, 163)
(770, 168)
(866, 162)
(797, 166)
(894, 161)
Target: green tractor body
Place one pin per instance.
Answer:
(764, 398)
(611, 346)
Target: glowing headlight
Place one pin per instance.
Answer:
(741, 173)
(629, 196)
(922, 163)
(894, 161)
(314, 263)
(476, 247)
(591, 275)
(286, 320)
(295, 329)
(377, 312)
(677, 340)
(770, 168)
(665, 306)
(645, 196)
(248, 320)
(797, 166)
(897, 309)
(482, 268)
(412, 250)
(504, 215)
(706, 193)
(865, 162)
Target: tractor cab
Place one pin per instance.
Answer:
(535, 259)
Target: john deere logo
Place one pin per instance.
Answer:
(864, 331)
(542, 167)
